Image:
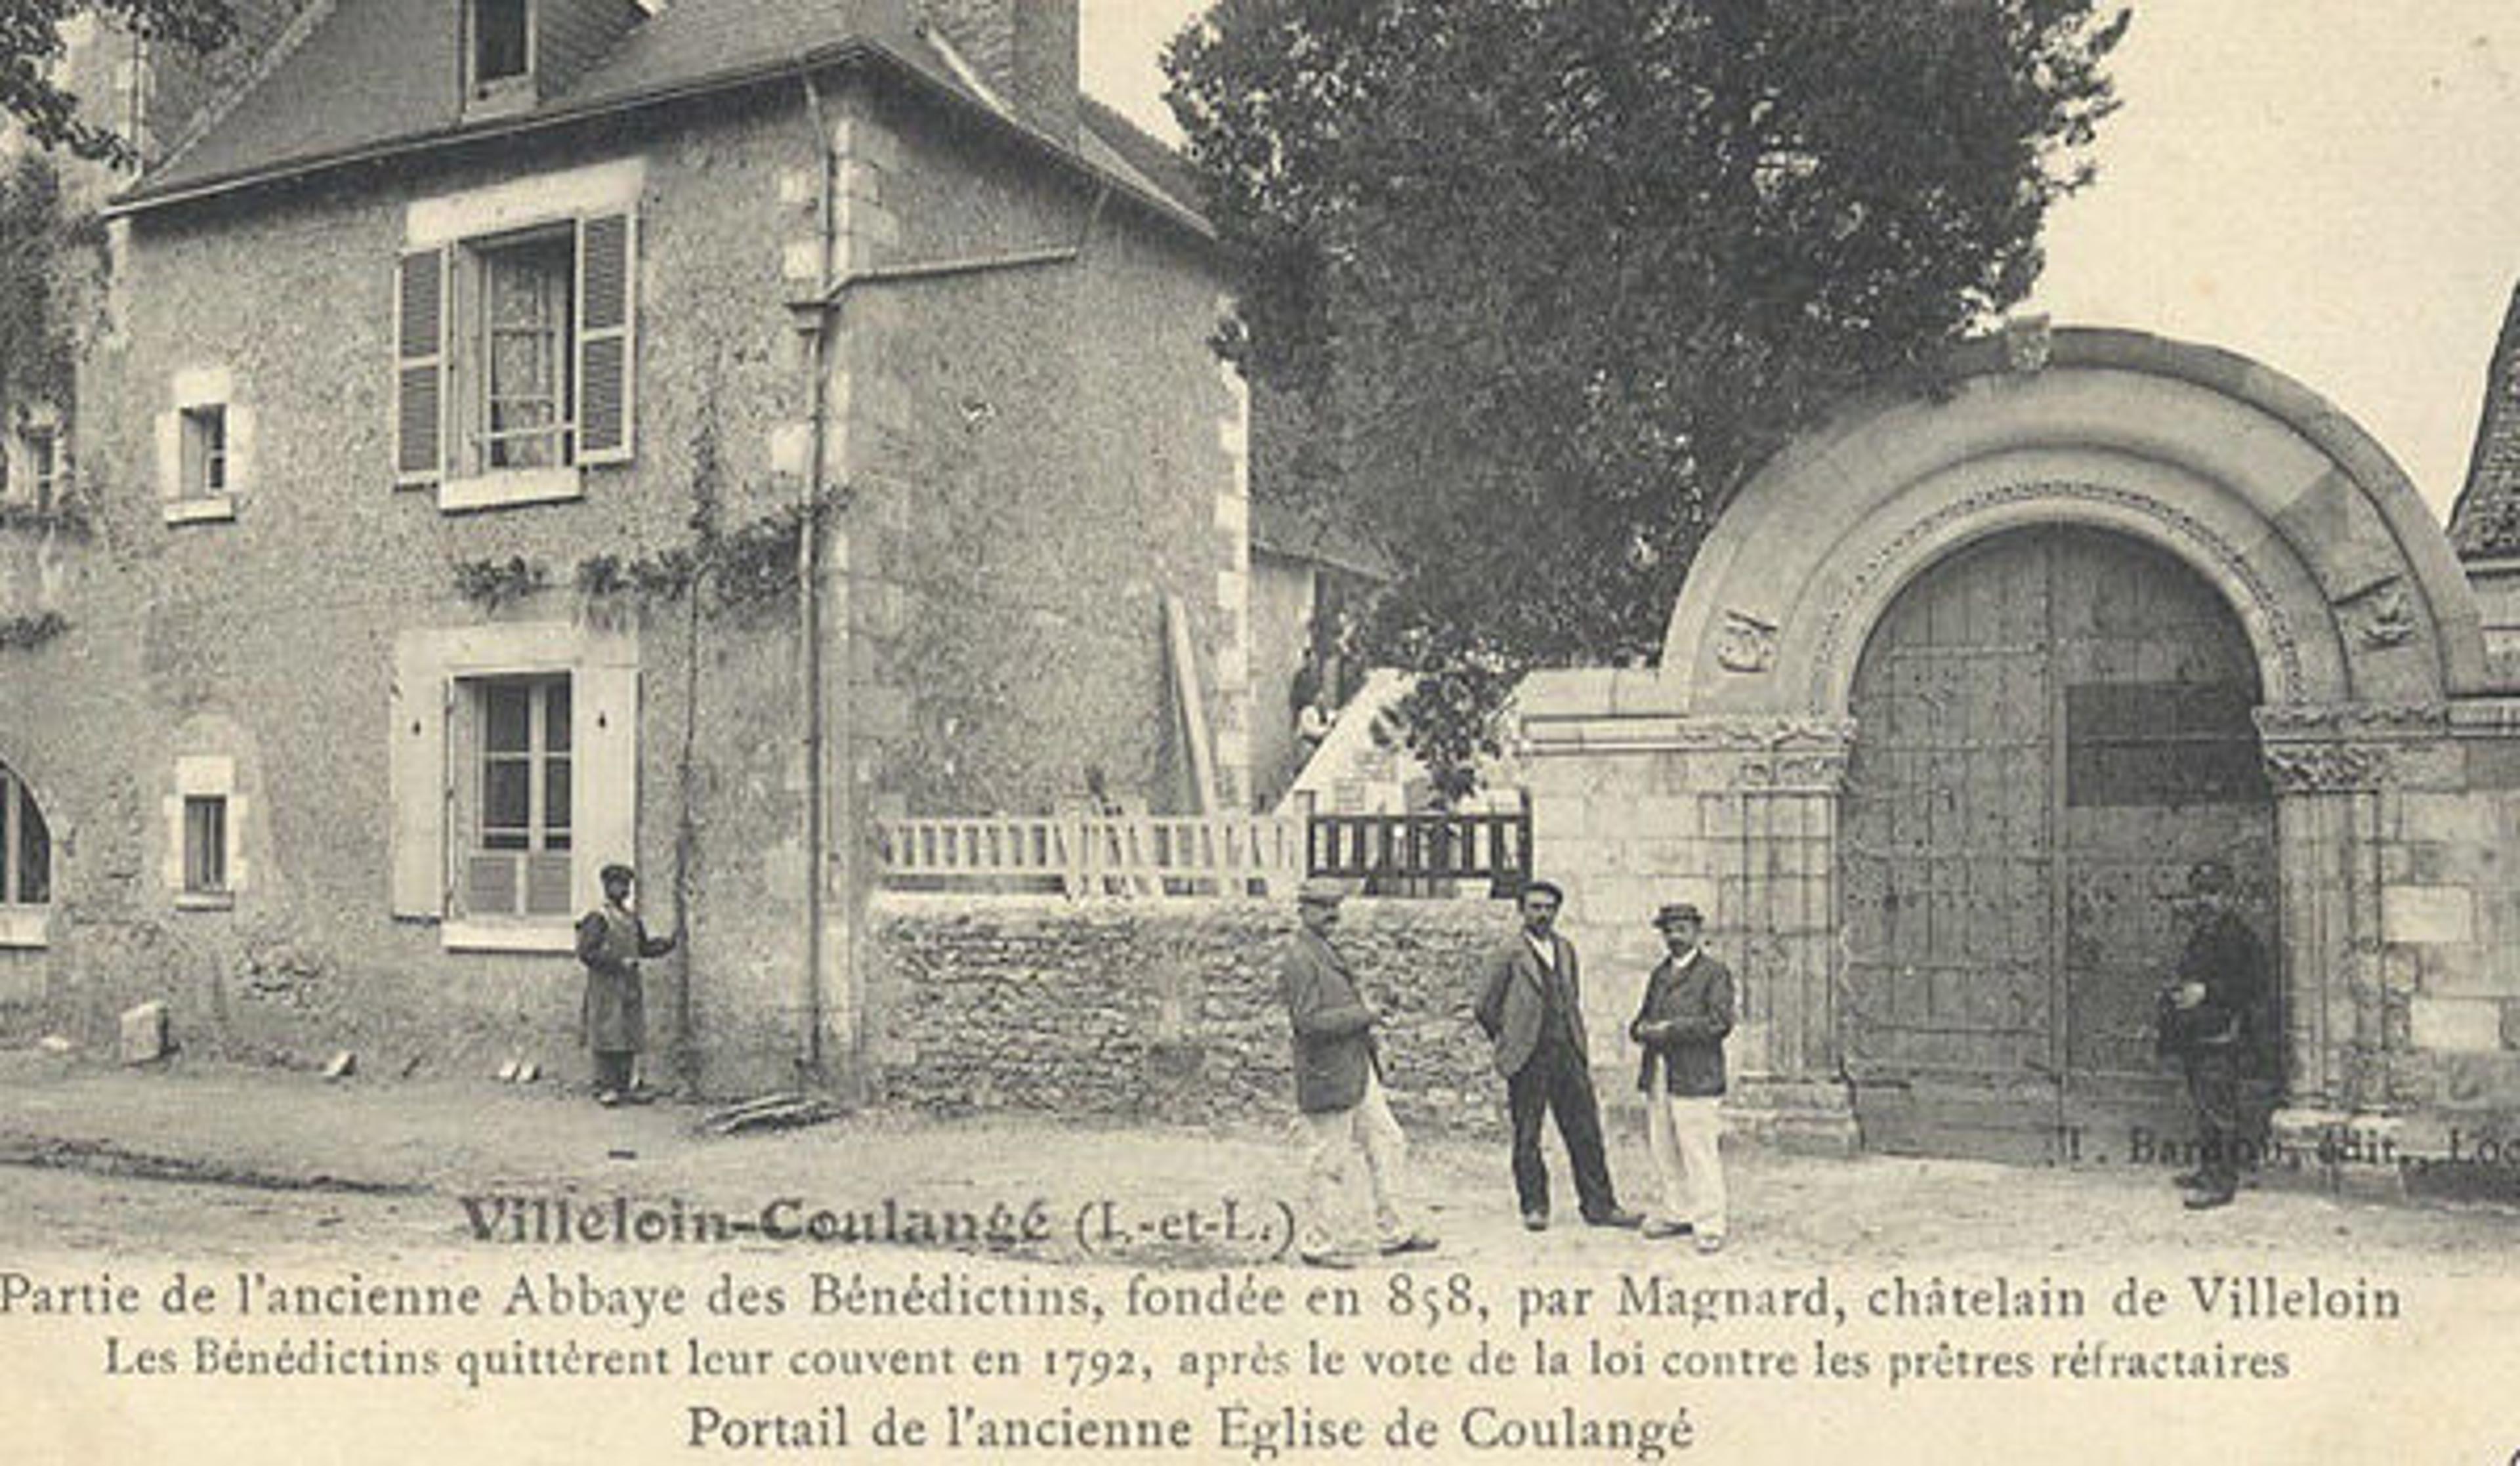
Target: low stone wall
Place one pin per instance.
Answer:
(1165, 1009)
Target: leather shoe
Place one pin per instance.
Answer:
(1660, 1229)
(1535, 1221)
(1615, 1217)
(1412, 1242)
(2203, 1201)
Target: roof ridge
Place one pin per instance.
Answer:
(292, 36)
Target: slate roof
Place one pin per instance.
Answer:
(359, 85)
(1301, 533)
(2485, 522)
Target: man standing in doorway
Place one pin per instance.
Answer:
(1338, 1083)
(1530, 1003)
(611, 942)
(2206, 1019)
(1688, 1010)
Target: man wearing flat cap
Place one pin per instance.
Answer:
(1338, 1085)
(613, 1019)
(1681, 1025)
(2206, 1018)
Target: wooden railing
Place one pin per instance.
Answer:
(1418, 855)
(1088, 855)
(1205, 855)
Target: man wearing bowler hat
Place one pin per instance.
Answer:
(1686, 1011)
(611, 941)
(1531, 1005)
(1338, 1083)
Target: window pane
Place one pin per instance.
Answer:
(556, 795)
(507, 796)
(499, 29)
(205, 843)
(34, 852)
(507, 716)
(525, 303)
(556, 713)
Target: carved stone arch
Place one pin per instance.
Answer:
(2311, 532)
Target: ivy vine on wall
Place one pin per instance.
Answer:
(26, 633)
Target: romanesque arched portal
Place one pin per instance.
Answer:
(1960, 685)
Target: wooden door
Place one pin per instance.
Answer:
(2052, 726)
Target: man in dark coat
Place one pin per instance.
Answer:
(2207, 1013)
(1530, 1005)
(1686, 1011)
(613, 1018)
(1338, 1083)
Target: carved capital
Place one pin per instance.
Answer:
(2326, 768)
(1792, 772)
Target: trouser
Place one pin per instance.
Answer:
(1557, 1079)
(1685, 1132)
(2214, 1088)
(612, 1069)
(1331, 1138)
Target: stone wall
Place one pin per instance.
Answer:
(1169, 1009)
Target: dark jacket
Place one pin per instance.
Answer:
(614, 1016)
(2223, 955)
(1514, 1000)
(1333, 1028)
(1681, 1023)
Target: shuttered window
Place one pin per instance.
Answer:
(607, 266)
(420, 371)
(518, 352)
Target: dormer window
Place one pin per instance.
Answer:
(502, 48)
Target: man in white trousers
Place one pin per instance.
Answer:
(1686, 1011)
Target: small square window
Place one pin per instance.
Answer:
(206, 452)
(205, 844)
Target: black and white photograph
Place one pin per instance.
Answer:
(1267, 731)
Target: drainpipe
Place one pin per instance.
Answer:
(809, 600)
(816, 317)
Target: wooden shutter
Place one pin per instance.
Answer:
(607, 275)
(416, 774)
(603, 817)
(421, 321)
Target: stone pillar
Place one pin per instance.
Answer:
(1633, 806)
(2340, 774)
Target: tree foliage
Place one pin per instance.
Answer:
(31, 43)
(42, 243)
(1553, 277)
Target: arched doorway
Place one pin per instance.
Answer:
(2052, 725)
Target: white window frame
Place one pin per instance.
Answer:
(23, 924)
(431, 667)
(185, 496)
(205, 777)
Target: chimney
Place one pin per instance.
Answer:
(1023, 50)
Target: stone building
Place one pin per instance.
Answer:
(1958, 688)
(421, 358)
